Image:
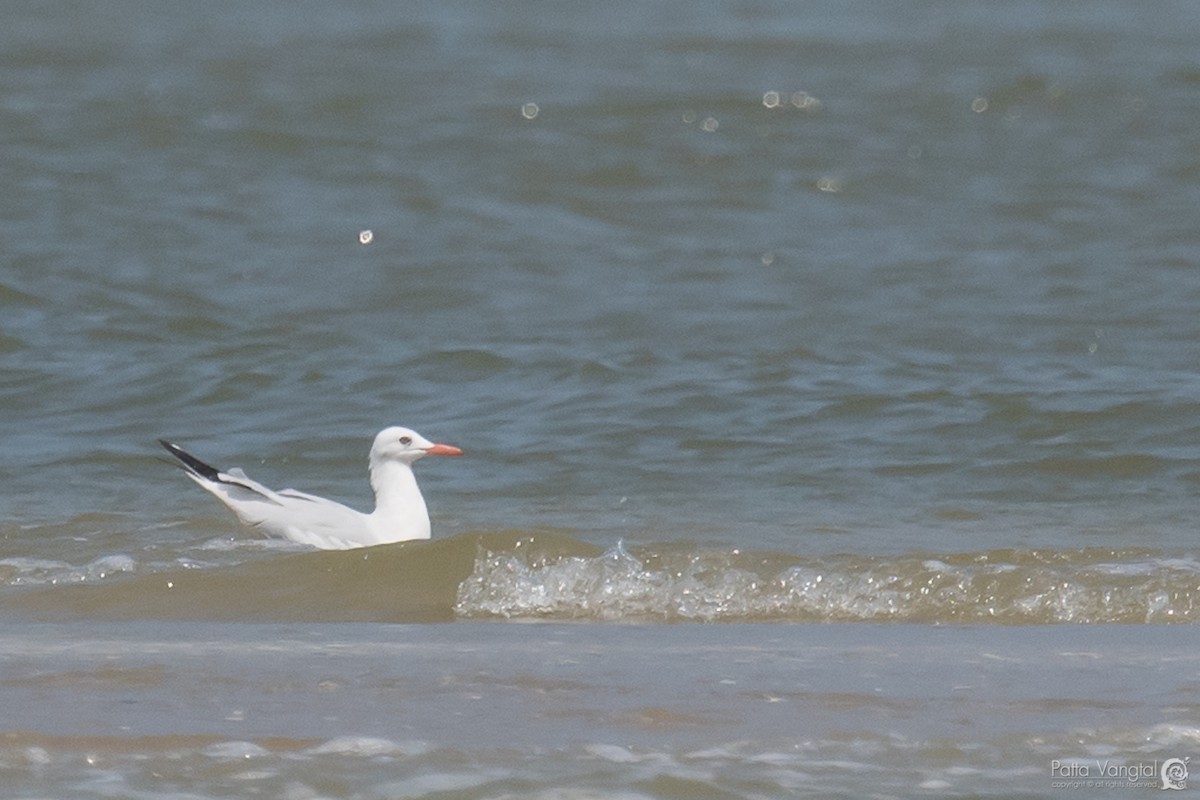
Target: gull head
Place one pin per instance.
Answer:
(406, 446)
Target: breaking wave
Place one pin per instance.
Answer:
(550, 576)
(684, 585)
(22, 571)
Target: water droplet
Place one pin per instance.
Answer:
(366, 236)
(530, 110)
(806, 101)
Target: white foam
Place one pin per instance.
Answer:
(708, 586)
(1170, 734)
(613, 752)
(235, 750)
(579, 794)
(435, 782)
(232, 544)
(255, 775)
(614, 586)
(37, 756)
(368, 747)
(20, 571)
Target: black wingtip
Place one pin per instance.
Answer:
(191, 462)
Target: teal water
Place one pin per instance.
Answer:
(865, 314)
(801, 313)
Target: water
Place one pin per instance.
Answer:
(481, 711)
(881, 314)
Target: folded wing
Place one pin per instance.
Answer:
(294, 515)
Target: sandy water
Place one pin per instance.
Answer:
(483, 711)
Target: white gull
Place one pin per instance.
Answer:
(400, 514)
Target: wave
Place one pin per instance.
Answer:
(684, 584)
(24, 571)
(519, 575)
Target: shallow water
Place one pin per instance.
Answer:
(553, 577)
(488, 711)
(880, 314)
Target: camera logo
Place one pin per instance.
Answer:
(1174, 773)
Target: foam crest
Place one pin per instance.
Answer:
(613, 586)
(369, 747)
(665, 585)
(21, 571)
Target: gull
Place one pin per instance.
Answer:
(399, 516)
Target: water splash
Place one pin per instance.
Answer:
(519, 575)
(22, 571)
(675, 585)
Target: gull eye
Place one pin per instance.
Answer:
(405, 440)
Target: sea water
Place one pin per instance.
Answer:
(826, 376)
